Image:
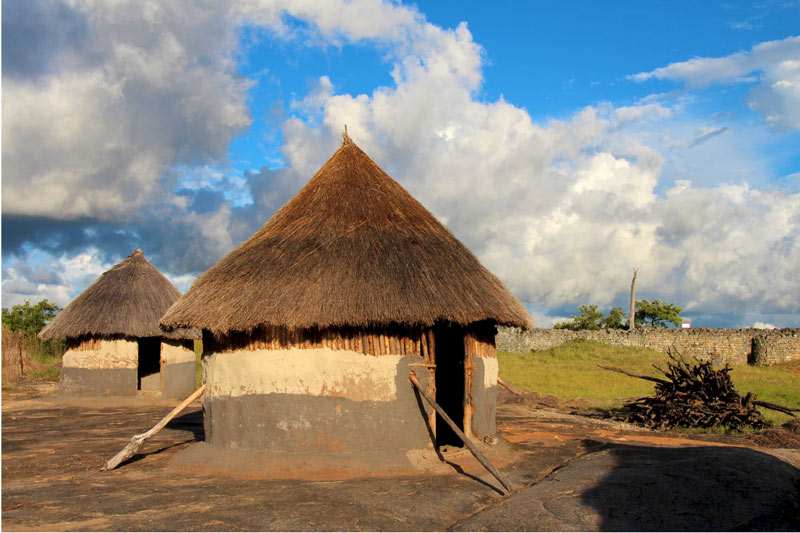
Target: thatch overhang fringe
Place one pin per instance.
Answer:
(127, 300)
(352, 248)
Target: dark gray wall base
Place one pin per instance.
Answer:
(98, 382)
(318, 424)
(178, 379)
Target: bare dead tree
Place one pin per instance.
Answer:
(632, 325)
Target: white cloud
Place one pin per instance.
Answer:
(653, 111)
(773, 66)
(762, 325)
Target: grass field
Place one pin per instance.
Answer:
(570, 372)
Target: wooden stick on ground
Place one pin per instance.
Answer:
(507, 386)
(475, 451)
(775, 407)
(648, 378)
(136, 442)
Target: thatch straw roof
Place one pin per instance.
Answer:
(127, 300)
(351, 248)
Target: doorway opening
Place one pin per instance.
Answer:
(149, 368)
(449, 342)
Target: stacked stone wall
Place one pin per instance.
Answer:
(733, 346)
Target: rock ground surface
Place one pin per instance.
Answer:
(572, 473)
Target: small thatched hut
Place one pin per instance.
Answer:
(114, 343)
(312, 325)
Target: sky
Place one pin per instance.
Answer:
(564, 142)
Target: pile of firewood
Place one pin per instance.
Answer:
(696, 395)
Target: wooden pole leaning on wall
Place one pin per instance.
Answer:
(472, 448)
(136, 442)
(508, 387)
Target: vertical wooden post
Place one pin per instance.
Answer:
(469, 372)
(632, 318)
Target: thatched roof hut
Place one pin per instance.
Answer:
(113, 338)
(352, 248)
(312, 326)
(127, 300)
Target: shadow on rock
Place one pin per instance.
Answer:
(646, 488)
(708, 488)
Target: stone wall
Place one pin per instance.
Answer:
(733, 346)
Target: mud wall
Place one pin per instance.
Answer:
(733, 346)
(314, 400)
(178, 373)
(100, 367)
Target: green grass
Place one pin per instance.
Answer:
(570, 372)
(50, 373)
(777, 384)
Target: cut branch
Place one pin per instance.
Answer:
(648, 378)
(775, 407)
(136, 442)
(695, 395)
(507, 387)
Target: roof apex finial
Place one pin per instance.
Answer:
(345, 137)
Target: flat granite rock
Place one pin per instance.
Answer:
(644, 488)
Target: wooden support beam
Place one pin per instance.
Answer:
(136, 442)
(507, 386)
(467, 442)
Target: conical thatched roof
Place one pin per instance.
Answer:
(351, 248)
(127, 300)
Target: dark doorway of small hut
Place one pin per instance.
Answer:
(449, 353)
(149, 368)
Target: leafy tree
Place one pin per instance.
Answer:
(29, 319)
(589, 318)
(615, 319)
(657, 314)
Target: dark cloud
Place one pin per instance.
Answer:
(176, 240)
(272, 188)
(54, 236)
(20, 287)
(38, 274)
(35, 32)
(203, 200)
(42, 274)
